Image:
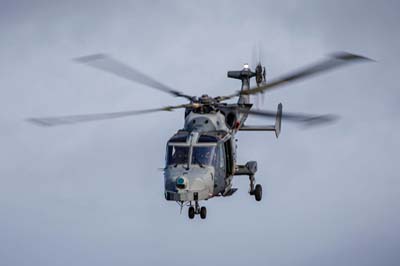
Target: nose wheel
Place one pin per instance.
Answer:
(203, 212)
(196, 209)
(191, 212)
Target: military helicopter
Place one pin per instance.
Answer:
(201, 158)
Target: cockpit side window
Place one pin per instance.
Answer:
(229, 157)
(219, 158)
(221, 155)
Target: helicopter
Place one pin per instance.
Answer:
(201, 158)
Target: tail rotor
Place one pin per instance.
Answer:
(260, 73)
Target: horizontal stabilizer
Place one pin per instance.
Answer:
(276, 128)
(257, 128)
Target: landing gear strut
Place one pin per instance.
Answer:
(255, 190)
(250, 169)
(196, 209)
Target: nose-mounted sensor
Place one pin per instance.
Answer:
(180, 182)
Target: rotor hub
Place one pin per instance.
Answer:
(205, 99)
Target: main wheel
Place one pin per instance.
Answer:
(203, 212)
(191, 212)
(258, 192)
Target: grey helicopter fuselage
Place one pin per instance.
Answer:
(201, 158)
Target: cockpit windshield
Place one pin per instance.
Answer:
(177, 155)
(203, 155)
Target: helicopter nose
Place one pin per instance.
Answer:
(198, 184)
(181, 182)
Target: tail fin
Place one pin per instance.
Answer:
(244, 75)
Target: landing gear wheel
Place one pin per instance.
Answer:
(203, 212)
(258, 192)
(191, 212)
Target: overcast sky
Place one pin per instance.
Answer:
(92, 194)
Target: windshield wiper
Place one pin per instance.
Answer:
(196, 160)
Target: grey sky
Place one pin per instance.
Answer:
(92, 194)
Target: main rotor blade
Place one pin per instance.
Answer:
(305, 119)
(335, 60)
(110, 65)
(73, 119)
